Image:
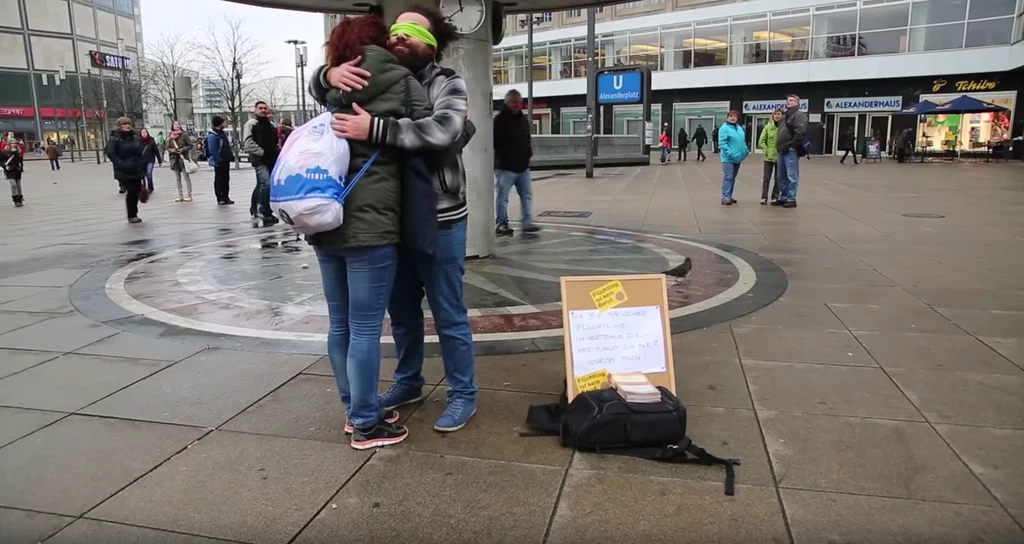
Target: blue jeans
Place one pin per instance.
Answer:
(665, 152)
(149, 176)
(439, 276)
(261, 193)
(524, 186)
(788, 164)
(729, 172)
(357, 284)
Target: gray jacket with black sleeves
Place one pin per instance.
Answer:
(439, 137)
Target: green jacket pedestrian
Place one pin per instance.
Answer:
(766, 143)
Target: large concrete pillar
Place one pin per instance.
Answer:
(470, 57)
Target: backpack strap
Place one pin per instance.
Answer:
(684, 452)
(355, 179)
(544, 420)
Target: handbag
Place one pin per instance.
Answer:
(187, 163)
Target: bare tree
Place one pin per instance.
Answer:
(274, 91)
(232, 57)
(169, 57)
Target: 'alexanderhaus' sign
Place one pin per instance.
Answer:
(110, 62)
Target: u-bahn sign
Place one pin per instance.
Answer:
(620, 88)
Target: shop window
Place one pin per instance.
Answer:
(614, 49)
(937, 37)
(676, 42)
(711, 44)
(833, 47)
(1020, 29)
(644, 48)
(561, 59)
(789, 38)
(835, 32)
(989, 32)
(883, 42)
(985, 9)
(930, 12)
(749, 38)
(834, 22)
(884, 17)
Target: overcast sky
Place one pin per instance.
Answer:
(271, 26)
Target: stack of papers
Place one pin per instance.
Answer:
(635, 387)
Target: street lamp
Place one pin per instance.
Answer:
(299, 56)
(236, 74)
(124, 84)
(62, 77)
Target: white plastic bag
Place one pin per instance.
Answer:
(307, 185)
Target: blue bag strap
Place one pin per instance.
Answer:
(355, 179)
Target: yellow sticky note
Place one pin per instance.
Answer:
(592, 381)
(609, 295)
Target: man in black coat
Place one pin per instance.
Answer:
(125, 151)
(512, 153)
(682, 141)
(848, 143)
(699, 139)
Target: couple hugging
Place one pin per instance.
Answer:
(389, 94)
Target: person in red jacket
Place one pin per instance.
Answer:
(666, 144)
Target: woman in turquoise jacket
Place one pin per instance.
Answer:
(732, 141)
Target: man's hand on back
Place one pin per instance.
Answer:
(352, 127)
(348, 76)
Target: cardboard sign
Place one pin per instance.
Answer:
(616, 324)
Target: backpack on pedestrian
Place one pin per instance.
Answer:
(308, 184)
(603, 422)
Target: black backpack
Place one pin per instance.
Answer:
(603, 422)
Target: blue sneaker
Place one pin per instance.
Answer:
(398, 395)
(456, 415)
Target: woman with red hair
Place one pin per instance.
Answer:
(358, 260)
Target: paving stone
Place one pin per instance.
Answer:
(711, 343)
(797, 315)
(988, 323)
(953, 353)
(836, 518)
(900, 459)
(206, 389)
(16, 422)
(662, 511)
(9, 293)
(724, 432)
(972, 299)
(710, 382)
(10, 321)
(817, 293)
(71, 382)
(307, 407)
(78, 462)
(21, 527)
(965, 398)
(542, 372)
(1011, 348)
(494, 502)
(16, 360)
(862, 317)
(238, 487)
(90, 530)
(995, 456)
(54, 301)
(64, 333)
(140, 347)
(493, 433)
(801, 346)
(832, 276)
(433, 371)
(53, 277)
(827, 389)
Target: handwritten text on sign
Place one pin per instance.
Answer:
(617, 340)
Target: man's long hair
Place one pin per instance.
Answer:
(442, 29)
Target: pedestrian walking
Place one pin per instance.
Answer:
(683, 141)
(420, 38)
(178, 146)
(161, 146)
(512, 152)
(12, 159)
(149, 155)
(699, 139)
(732, 144)
(260, 140)
(53, 153)
(790, 144)
(218, 149)
(127, 153)
(284, 131)
(714, 139)
(665, 139)
(848, 143)
(766, 143)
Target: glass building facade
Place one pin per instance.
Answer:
(827, 31)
